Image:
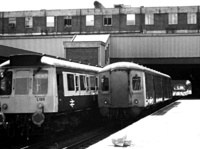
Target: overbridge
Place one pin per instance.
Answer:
(175, 54)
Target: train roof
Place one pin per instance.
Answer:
(129, 66)
(45, 60)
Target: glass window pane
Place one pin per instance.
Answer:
(108, 20)
(173, 18)
(136, 83)
(90, 20)
(28, 22)
(6, 83)
(22, 86)
(130, 19)
(50, 22)
(12, 22)
(92, 83)
(105, 83)
(77, 83)
(40, 82)
(149, 19)
(68, 21)
(82, 82)
(191, 18)
(70, 81)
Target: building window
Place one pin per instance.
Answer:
(191, 18)
(68, 21)
(173, 18)
(107, 20)
(130, 19)
(12, 22)
(28, 22)
(149, 19)
(89, 20)
(50, 22)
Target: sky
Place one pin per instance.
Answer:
(22, 5)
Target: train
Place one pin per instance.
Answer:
(126, 89)
(40, 92)
(181, 88)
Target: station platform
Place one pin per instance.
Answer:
(176, 126)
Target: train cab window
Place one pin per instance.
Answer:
(83, 82)
(5, 83)
(70, 80)
(22, 83)
(105, 83)
(136, 83)
(40, 82)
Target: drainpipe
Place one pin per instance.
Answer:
(2, 21)
(198, 20)
(80, 30)
(142, 19)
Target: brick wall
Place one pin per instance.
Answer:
(118, 20)
(85, 55)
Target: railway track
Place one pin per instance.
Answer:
(82, 138)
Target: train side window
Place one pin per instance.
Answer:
(6, 83)
(87, 83)
(40, 82)
(92, 83)
(83, 82)
(105, 83)
(77, 83)
(70, 80)
(97, 83)
(136, 83)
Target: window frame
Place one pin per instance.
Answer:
(67, 21)
(105, 82)
(22, 74)
(149, 19)
(191, 18)
(12, 22)
(107, 20)
(50, 21)
(8, 83)
(172, 18)
(44, 72)
(136, 78)
(89, 20)
(28, 22)
(130, 19)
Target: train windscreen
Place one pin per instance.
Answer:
(5, 82)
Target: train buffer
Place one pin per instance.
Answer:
(172, 127)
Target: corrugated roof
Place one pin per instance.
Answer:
(103, 38)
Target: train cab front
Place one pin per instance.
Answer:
(104, 101)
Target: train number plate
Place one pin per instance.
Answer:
(40, 99)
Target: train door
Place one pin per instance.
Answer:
(119, 88)
(137, 88)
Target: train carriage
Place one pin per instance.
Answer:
(40, 90)
(127, 88)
